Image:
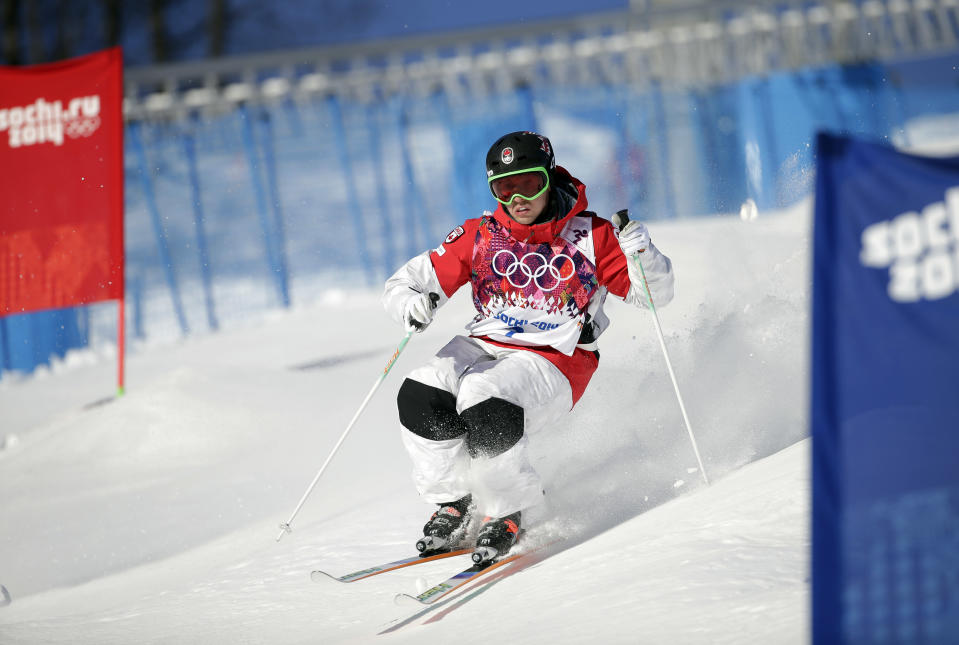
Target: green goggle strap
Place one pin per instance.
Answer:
(515, 195)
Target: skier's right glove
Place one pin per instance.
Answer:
(634, 238)
(418, 310)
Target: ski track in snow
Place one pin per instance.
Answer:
(152, 519)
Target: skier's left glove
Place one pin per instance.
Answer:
(418, 310)
(634, 238)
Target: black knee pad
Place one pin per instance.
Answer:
(428, 411)
(494, 426)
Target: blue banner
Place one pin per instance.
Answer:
(885, 396)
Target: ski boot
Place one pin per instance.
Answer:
(446, 527)
(497, 536)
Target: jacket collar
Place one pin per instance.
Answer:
(547, 231)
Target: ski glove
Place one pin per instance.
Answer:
(634, 238)
(418, 310)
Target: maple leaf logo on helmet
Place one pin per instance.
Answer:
(544, 146)
(507, 155)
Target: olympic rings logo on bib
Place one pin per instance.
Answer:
(532, 267)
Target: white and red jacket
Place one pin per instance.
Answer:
(535, 286)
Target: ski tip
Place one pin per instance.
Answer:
(406, 600)
(322, 576)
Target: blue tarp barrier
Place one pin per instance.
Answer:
(885, 396)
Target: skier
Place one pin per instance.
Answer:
(540, 268)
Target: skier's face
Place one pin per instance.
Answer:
(526, 211)
(523, 193)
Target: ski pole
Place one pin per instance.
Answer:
(620, 219)
(285, 527)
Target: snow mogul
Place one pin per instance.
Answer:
(540, 267)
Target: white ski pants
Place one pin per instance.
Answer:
(473, 372)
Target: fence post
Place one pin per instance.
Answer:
(136, 292)
(525, 93)
(460, 198)
(163, 247)
(189, 149)
(376, 151)
(772, 147)
(259, 193)
(416, 202)
(4, 346)
(279, 226)
(624, 152)
(336, 116)
(660, 126)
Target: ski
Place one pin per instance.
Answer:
(323, 576)
(453, 583)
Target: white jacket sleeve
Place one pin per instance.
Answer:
(659, 277)
(416, 276)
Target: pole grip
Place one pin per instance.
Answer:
(620, 218)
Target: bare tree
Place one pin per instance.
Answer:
(11, 32)
(66, 30)
(113, 21)
(159, 37)
(217, 23)
(35, 20)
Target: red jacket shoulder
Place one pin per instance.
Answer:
(451, 259)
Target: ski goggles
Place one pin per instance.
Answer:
(529, 184)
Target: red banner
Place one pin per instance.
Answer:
(61, 183)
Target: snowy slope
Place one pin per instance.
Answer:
(153, 518)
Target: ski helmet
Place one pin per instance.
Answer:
(519, 152)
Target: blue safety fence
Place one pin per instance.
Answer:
(264, 207)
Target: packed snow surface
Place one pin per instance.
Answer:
(153, 518)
